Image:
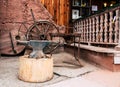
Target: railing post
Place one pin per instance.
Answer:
(87, 30)
(97, 28)
(116, 26)
(111, 27)
(106, 26)
(93, 29)
(119, 28)
(101, 28)
(82, 31)
(118, 46)
(90, 27)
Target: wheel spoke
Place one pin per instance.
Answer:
(41, 30)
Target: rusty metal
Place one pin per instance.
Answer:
(72, 36)
(43, 30)
(37, 46)
(40, 30)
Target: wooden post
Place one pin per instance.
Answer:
(118, 20)
(116, 26)
(119, 27)
(111, 27)
(87, 39)
(93, 29)
(97, 28)
(82, 33)
(106, 26)
(119, 30)
(90, 28)
(101, 28)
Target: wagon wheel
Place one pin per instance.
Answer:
(41, 30)
(21, 34)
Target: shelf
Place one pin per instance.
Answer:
(81, 6)
(75, 6)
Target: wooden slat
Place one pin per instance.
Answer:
(61, 12)
(59, 9)
(97, 49)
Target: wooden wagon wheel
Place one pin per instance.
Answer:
(22, 31)
(41, 30)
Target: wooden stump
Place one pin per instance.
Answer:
(35, 70)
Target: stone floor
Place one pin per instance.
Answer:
(67, 73)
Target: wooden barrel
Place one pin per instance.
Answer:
(35, 70)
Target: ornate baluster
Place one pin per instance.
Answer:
(106, 27)
(119, 29)
(74, 24)
(82, 31)
(78, 26)
(116, 26)
(111, 27)
(101, 28)
(87, 30)
(93, 29)
(97, 28)
(90, 28)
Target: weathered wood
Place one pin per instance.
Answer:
(6, 45)
(35, 70)
(117, 26)
(111, 27)
(97, 29)
(103, 28)
(106, 27)
(93, 26)
(90, 28)
(60, 10)
(97, 49)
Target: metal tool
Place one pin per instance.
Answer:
(12, 43)
(37, 45)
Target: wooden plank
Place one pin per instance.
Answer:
(55, 11)
(68, 13)
(61, 12)
(97, 49)
(65, 12)
(58, 11)
(42, 1)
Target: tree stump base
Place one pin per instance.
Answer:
(35, 70)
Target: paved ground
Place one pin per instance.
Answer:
(69, 74)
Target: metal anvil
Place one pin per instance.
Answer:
(37, 45)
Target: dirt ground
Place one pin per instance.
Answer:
(66, 69)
